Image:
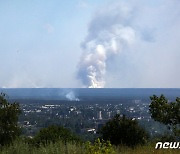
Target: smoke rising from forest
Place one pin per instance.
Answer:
(109, 34)
(136, 35)
(71, 96)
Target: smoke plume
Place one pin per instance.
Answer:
(71, 96)
(108, 34)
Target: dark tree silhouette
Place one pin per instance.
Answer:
(53, 133)
(9, 113)
(122, 130)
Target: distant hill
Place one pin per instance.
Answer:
(88, 93)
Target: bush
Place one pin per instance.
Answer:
(122, 130)
(53, 134)
(99, 147)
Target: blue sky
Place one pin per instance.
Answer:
(41, 43)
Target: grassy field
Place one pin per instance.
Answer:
(20, 147)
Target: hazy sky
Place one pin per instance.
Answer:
(90, 43)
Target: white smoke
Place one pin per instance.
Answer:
(109, 33)
(71, 96)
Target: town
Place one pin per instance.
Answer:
(85, 119)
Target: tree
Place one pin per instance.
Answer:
(166, 112)
(122, 130)
(9, 113)
(53, 134)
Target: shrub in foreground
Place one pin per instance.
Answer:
(53, 134)
(99, 147)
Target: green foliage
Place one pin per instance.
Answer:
(166, 112)
(122, 130)
(20, 147)
(52, 134)
(99, 147)
(9, 113)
